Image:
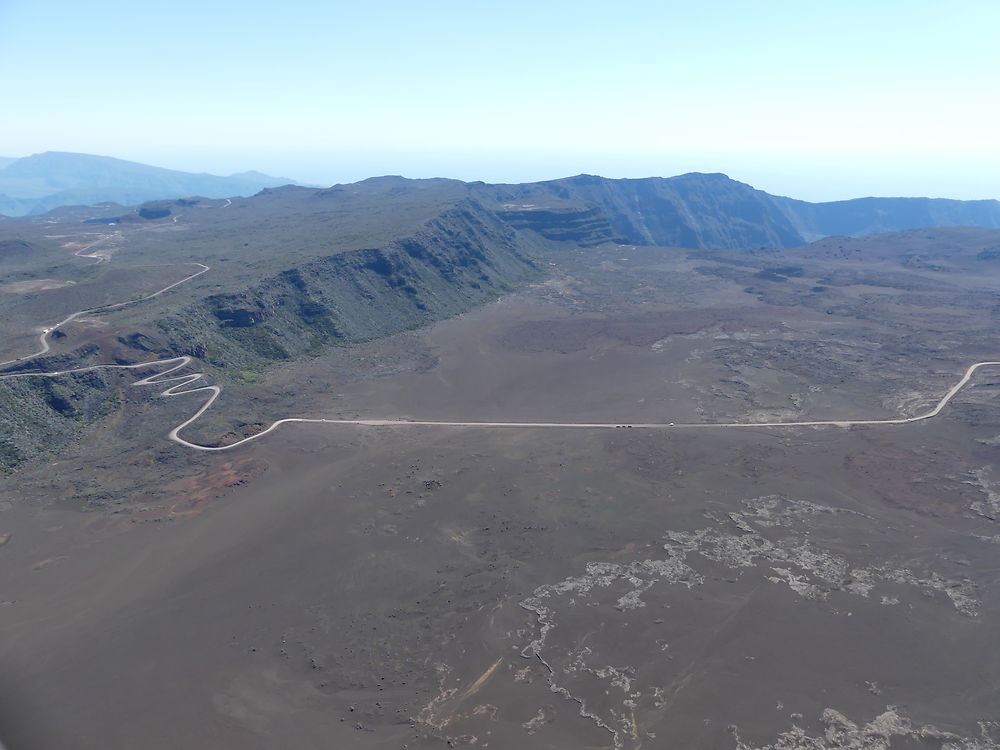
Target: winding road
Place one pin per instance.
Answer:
(177, 385)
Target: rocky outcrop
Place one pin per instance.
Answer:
(582, 225)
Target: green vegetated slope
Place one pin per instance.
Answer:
(18, 255)
(40, 414)
(457, 260)
(261, 307)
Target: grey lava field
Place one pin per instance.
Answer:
(582, 464)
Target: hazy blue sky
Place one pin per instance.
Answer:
(819, 100)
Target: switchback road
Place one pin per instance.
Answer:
(176, 386)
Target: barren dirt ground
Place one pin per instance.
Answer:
(334, 586)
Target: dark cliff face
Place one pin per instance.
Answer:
(582, 225)
(707, 211)
(712, 211)
(461, 258)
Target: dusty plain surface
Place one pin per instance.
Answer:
(426, 587)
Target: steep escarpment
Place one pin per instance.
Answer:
(712, 211)
(582, 225)
(461, 258)
(708, 211)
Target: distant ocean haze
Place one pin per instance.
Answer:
(38, 183)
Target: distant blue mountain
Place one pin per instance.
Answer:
(41, 182)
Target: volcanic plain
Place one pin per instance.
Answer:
(422, 586)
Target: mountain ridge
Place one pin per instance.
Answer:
(713, 211)
(697, 210)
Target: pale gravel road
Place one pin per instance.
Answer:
(43, 338)
(177, 385)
